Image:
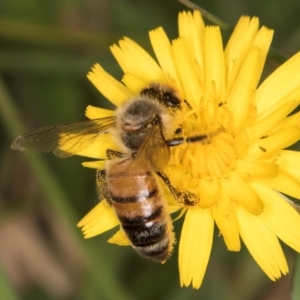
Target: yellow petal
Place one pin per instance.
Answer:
(98, 148)
(280, 85)
(209, 192)
(264, 126)
(241, 192)
(98, 164)
(195, 246)
(120, 239)
(240, 99)
(283, 183)
(238, 47)
(267, 146)
(262, 243)
(250, 169)
(93, 112)
(173, 208)
(282, 219)
(224, 215)
(133, 83)
(262, 42)
(164, 54)
(214, 65)
(133, 59)
(187, 70)
(292, 120)
(108, 86)
(100, 219)
(289, 162)
(90, 145)
(191, 27)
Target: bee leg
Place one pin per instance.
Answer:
(102, 187)
(167, 182)
(112, 154)
(186, 198)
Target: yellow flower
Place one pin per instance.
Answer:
(232, 163)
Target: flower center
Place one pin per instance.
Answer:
(213, 157)
(209, 154)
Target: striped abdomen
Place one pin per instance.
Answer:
(140, 208)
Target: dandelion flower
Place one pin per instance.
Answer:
(234, 161)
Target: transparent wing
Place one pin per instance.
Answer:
(64, 140)
(154, 150)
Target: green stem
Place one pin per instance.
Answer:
(296, 280)
(7, 292)
(206, 14)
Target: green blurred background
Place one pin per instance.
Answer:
(46, 49)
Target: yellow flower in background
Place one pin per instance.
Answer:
(232, 162)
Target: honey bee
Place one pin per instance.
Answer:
(128, 182)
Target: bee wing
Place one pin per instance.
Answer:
(63, 140)
(154, 150)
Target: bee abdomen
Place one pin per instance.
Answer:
(158, 251)
(149, 236)
(146, 224)
(143, 233)
(140, 208)
(153, 243)
(131, 199)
